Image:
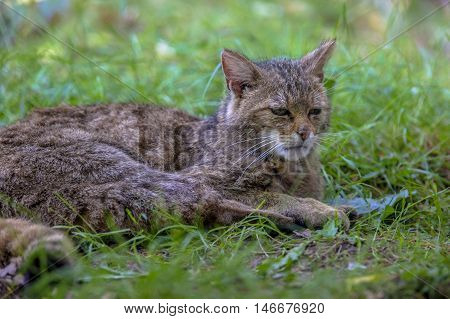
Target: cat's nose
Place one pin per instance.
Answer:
(304, 133)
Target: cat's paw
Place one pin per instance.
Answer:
(314, 214)
(350, 211)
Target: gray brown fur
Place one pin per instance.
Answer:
(82, 165)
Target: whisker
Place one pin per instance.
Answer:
(247, 140)
(266, 141)
(255, 148)
(259, 158)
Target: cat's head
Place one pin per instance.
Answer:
(281, 99)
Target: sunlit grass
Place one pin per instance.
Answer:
(389, 133)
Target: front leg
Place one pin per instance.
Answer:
(231, 211)
(307, 212)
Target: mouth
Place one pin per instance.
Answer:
(294, 147)
(291, 148)
(297, 147)
(295, 152)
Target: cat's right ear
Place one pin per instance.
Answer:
(240, 73)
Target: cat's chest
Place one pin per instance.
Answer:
(297, 178)
(285, 176)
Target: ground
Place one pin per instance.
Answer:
(390, 135)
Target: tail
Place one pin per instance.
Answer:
(27, 250)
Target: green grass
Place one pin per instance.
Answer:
(391, 124)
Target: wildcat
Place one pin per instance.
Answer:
(123, 164)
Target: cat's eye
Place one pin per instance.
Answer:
(314, 112)
(280, 111)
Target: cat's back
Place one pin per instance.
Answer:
(104, 117)
(136, 128)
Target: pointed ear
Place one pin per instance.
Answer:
(315, 61)
(240, 73)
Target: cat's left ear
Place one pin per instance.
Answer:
(315, 61)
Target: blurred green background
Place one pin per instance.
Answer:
(168, 49)
(390, 133)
